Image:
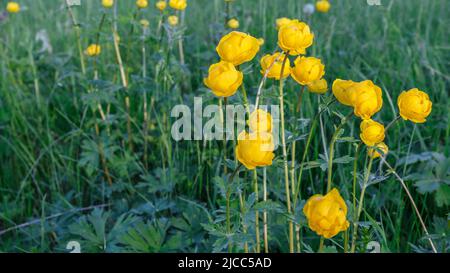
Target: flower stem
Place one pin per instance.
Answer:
(286, 171)
(416, 210)
(392, 123)
(331, 151)
(76, 27)
(228, 196)
(266, 242)
(258, 240)
(360, 204)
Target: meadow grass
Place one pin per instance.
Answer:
(57, 151)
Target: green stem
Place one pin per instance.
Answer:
(286, 171)
(360, 204)
(416, 210)
(331, 151)
(228, 196)
(258, 241)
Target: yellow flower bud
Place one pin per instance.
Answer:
(178, 4)
(372, 132)
(93, 50)
(255, 149)
(307, 70)
(161, 5)
(341, 90)
(142, 4)
(323, 6)
(327, 215)
(260, 121)
(233, 23)
(13, 7)
(223, 79)
(237, 47)
(295, 37)
(144, 23)
(414, 105)
(282, 21)
(261, 41)
(318, 87)
(375, 151)
(172, 20)
(107, 3)
(366, 98)
(275, 62)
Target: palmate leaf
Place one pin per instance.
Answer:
(146, 237)
(443, 196)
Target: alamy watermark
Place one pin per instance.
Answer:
(210, 122)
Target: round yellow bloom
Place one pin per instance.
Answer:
(173, 20)
(107, 3)
(237, 47)
(223, 79)
(375, 151)
(144, 23)
(295, 37)
(142, 4)
(260, 121)
(372, 132)
(161, 5)
(255, 149)
(341, 90)
(414, 105)
(282, 21)
(275, 62)
(93, 50)
(318, 87)
(307, 70)
(178, 4)
(13, 7)
(327, 215)
(233, 23)
(366, 98)
(323, 6)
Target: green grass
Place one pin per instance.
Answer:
(171, 199)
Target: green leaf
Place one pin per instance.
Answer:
(443, 196)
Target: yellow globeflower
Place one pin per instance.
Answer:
(414, 105)
(372, 132)
(318, 87)
(107, 3)
(233, 23)
(173, 20)
(93, 50)
(307, 70)
(144, 23)
(375, 151)
(161, 5)
(323, 6)
(261, 41)
(178, 4)
(282, 21)
(255, 149)
(13, 7)
(275, 62)
(223, 79)
(342, 91)
(366, 98)
(295, 37)
(237, 47)
(327, 215)
(260, 121)
(142, 4)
